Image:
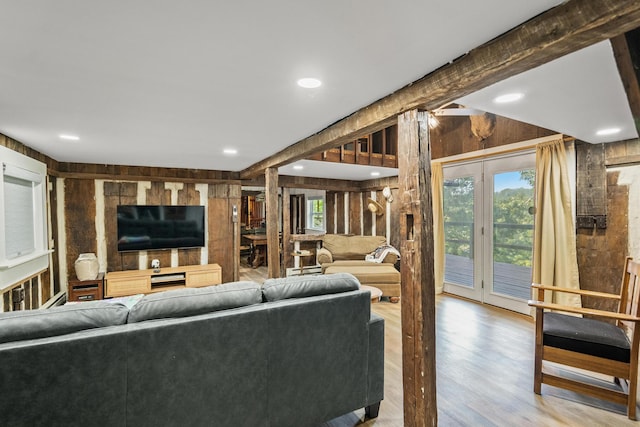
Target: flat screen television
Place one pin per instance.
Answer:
(143, 227)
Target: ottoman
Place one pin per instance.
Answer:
(383, 276)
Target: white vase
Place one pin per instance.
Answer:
(87, 266)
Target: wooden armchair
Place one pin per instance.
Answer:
(604, 342)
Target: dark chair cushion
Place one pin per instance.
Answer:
(587, 336)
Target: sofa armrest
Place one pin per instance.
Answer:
(375, 374)
(390, 258)
(323, 256)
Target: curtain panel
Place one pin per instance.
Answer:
(554, 247)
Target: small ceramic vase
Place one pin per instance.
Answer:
(87, 266)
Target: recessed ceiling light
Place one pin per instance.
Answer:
(309, 83)
(607, 131)
(508, 97)
(69, 137)
(375, 173)
(230, 151)
(298, 167)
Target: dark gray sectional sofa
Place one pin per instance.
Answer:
(292, 352)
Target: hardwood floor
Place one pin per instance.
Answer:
(484, 359)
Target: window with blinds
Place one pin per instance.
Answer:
(23, 229)
(18, 217)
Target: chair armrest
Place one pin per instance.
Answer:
(324, 256)
(575, 291)
(579, 310)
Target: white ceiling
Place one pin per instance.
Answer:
(172, 84)
(575, 95)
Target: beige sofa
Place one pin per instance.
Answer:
(346, 254)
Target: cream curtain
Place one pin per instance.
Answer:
(438, 225)
(554, 247)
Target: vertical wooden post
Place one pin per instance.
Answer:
(273, 243)
(286, 229)
(418, 284)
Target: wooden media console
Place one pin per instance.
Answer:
(131, 282)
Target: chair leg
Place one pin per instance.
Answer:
(537, 370)
(537, 377)
(631, 399)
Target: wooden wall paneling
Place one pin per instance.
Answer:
(417, 278)
(601, 252)
(363, 148)
(330, 205)
(591, 186)
(381, 220)
(188, 195)
(220, 230)
(53, 279)
(45, 286)
(158, 195)
(340, 225)
(287, 246)
(622, 153)
(6, 301)
(143, 173)
(453, 135)
(26, 292)
(35, 292)
(355, 213)
(367, 216)
(80, 214)
(272, 220)
(118, 193)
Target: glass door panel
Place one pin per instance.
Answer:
(488, 228)
(462, 189)
(509, 199)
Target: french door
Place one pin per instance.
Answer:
(488, 226)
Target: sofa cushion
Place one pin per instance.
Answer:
(307, 286)
(367, 273)
(587, 336)
(193, 301)
(32, 324)
(351, 247)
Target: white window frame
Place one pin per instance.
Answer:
(309, 202)
(14, 269)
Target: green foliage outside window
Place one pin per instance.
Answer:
(513, 223)
(316, 213)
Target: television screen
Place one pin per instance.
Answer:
(142, 227)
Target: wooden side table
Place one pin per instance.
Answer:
(86, 290)
(376, 293)
(301, 254)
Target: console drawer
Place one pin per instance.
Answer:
(120, 287)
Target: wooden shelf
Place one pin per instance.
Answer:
(131, 282)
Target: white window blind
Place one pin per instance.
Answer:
(18, 217)
(23, 217)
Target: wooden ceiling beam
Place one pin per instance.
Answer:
(564, 29)
(626, 49)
